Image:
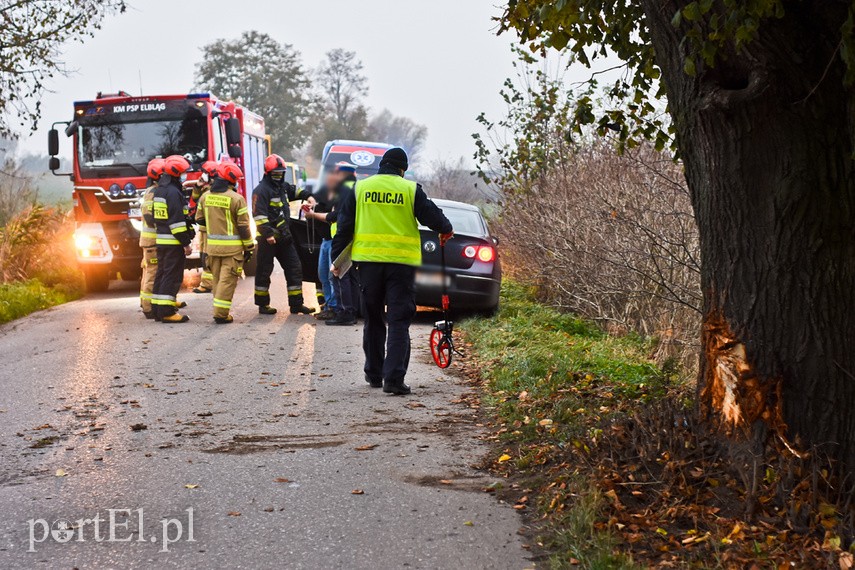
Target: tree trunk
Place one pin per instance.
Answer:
(767, 141)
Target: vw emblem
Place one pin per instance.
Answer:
(430, 246)
(362, 158)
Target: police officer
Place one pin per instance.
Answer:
(148, 237)
(270, 207)
(174, 234)
(203, 184)
(223, 214)
(381, 217)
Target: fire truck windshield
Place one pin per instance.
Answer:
(111, 148)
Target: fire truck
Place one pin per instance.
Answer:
(114, 136)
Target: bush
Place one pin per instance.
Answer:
(611, 237)
(23, 297)
(37, 262)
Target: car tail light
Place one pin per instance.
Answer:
(484, 253)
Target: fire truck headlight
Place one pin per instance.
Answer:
(115, 191)
(130, 190)
(86, 245)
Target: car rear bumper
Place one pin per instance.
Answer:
(465, 292)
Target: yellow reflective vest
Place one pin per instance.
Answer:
(386, 229)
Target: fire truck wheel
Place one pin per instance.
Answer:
(251, 267)
(97, 279)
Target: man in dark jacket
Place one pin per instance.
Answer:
(270, 207)
(174, 234)
(381, 218)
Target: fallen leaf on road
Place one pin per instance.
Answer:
(61, 473)
(190, 486)
(367, 447)
(414, 405)
(234, 514)
(138, 427)
(504, 458)
(282, 480)
(468, 523)
(357, 492)
(446, 482)
(205, 414)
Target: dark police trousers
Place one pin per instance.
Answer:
(284, 252)
(388, 286)
(167, 282)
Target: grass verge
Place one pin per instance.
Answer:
(550, 381)
(611, 467)
(21, 298)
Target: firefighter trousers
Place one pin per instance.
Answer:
(388, 298)
(285, 253)
(225, 273)
(167, 282)
(149, 270)
(206, 281)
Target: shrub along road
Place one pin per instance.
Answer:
(264, 428)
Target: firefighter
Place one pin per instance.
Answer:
(209, 171)
(270, 206)
(223, 214)
(381, 217)
(148, 237)
(174, 235)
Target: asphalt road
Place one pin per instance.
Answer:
(263, 430)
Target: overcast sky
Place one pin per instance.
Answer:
(438, 62)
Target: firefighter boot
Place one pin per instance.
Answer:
(175, 318)
(266, 310)
(301, 310)
(201, 289)
(224, 320)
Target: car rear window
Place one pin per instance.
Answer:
(465, 221)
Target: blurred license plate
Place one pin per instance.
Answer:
(134, 213)
(431, 279)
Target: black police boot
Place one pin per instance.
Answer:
(396, 388)
(374, 382)
(301, 310)
(266, 310)
(342, 319)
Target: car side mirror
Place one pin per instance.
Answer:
(53, 164)
(232, 131)
(71, 128)
(495, 240)
(53, 142)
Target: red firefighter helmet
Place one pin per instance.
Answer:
(209, 167)
(230, 172)
(175, 165)
(273, 162)
(155, 168)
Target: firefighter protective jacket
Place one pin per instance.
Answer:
(148, 233)
(169, 213)
(270, 206)
(223, 214)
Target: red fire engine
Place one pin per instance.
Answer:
(115, 136)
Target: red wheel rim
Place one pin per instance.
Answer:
(440, 349)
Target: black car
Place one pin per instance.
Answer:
(473, 268)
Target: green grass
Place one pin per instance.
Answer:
(23, 297)
(551, 381)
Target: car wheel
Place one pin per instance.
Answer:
(97, 280)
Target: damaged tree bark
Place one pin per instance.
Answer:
(767, 141)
